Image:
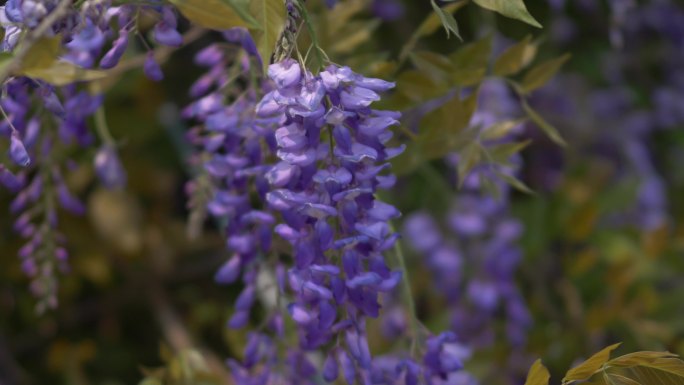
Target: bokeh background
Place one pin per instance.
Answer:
(592, 257)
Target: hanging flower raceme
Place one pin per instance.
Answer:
(333, 152)
(62, 119)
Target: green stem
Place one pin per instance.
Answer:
(408, 294)
(102, 128)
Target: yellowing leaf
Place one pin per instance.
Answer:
(538, 374)
(513, 59)
(587, 368)
(271, 16)
(638, 358)
(42, 53)
(641, 368)
(548, 129)
(514, 9)
(214, 14)
(116, 217)
(61, 73)
(540, 74)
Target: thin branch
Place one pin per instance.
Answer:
(32, 37)
(161, 54)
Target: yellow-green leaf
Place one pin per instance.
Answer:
(470, 62)
(587, 368)
(446, 129)
(354, 33)
(513, 59)
(213, 14)
(538, 374)
(433, 64)
(540, 74)
(515, 182)
(42, 53)
(500, 129)
(639, 358)
(61, 73)
(271, 16)
(545, 126)
(514, 9)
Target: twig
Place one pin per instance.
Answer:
(31, 38)
(161, 54)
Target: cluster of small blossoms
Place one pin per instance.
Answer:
(474, 265)
(332, 151)
(234, 147)
(38, 117)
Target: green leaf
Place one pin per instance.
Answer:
(540, 74)
(271, 15)
(515, 9)
(467, 160)
(437, 66)
(216, 14)
(501, 129)
(61, 73)
(538, 374)
(432, 22)
(5, 59)
(470, 62)
(446, 129)
(587, 368)
(513, 59)
(548, 129)
(419, 87)
(502, 153)
(447, 20)
(518, 185)
(42, 53)
(352, 35)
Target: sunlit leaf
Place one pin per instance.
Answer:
(538, 374)
(61, 73)
(548, 129)
(641, 368)
(587, 368)
(540, 74)
(216, 14)
(513, 59)
(514, 9)
(271, 15)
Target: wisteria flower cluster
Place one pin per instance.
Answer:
(40, 117)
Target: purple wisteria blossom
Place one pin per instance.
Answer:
(33, 169)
